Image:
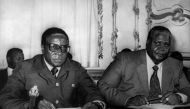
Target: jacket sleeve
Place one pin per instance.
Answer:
(89, 88)
(14, 95)
(183, 83)
(110, 81)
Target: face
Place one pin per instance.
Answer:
(158, 48)
(56, 49)
(16, 59)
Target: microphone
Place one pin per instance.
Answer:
(33, 93)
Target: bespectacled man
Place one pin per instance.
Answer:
(58, 81)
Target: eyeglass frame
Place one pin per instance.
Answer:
(66, 47)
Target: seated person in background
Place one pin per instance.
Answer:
(146, 76)
(14, 56)
(51, 80)
(176, 55)
(187, 72)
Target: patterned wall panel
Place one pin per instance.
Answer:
(174, 14)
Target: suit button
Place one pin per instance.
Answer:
(56, 101)
(57, 84)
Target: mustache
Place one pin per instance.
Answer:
(161, 50)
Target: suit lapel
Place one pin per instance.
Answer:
(166, 75)
(42, 69)
(142, 71)
(46, 74)
(65, 69)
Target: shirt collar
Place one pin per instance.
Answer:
(150, 62)
(10, 71)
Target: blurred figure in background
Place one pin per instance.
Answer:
(14, 56)
(176, 55)
(187, 72)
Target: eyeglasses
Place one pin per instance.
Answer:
(58, 48)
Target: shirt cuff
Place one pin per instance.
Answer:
(183, 97)
(101, 103)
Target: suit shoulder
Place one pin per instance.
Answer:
(30, 62)
(173, 60)
(76, 65)
(3, 70)
(131, 55)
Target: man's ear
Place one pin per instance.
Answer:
(42, 47)
(8, 59)
(9, 62)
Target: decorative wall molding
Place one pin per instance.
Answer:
(149, 11)
(175, 14)
(100, 29)
(114, 30)
(136, 31)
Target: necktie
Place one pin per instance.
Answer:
(155, 89)
(54, 70)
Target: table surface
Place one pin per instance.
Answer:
(71, 108)
(158, 106)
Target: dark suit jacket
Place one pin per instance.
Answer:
(75, 86)
(127, 77)
(3, 78)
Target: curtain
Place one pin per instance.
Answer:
(22, 23)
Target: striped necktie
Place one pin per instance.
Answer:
(54, 70)
(155, 90)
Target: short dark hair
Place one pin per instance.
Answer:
(159, 30)
(51, 31)
(11, 53)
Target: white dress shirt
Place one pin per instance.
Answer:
(150, 70)
(9, 71)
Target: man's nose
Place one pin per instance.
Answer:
(163, 49)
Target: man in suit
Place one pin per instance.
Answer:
(14, 56)
(130, 80)
(51, 80)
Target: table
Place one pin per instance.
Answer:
(71, 108)
(161, 106)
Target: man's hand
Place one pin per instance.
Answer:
(137, 101)
(44, 104)
(90, 105)
(171, 99)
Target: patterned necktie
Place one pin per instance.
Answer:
(155, 89)
(54, 70)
